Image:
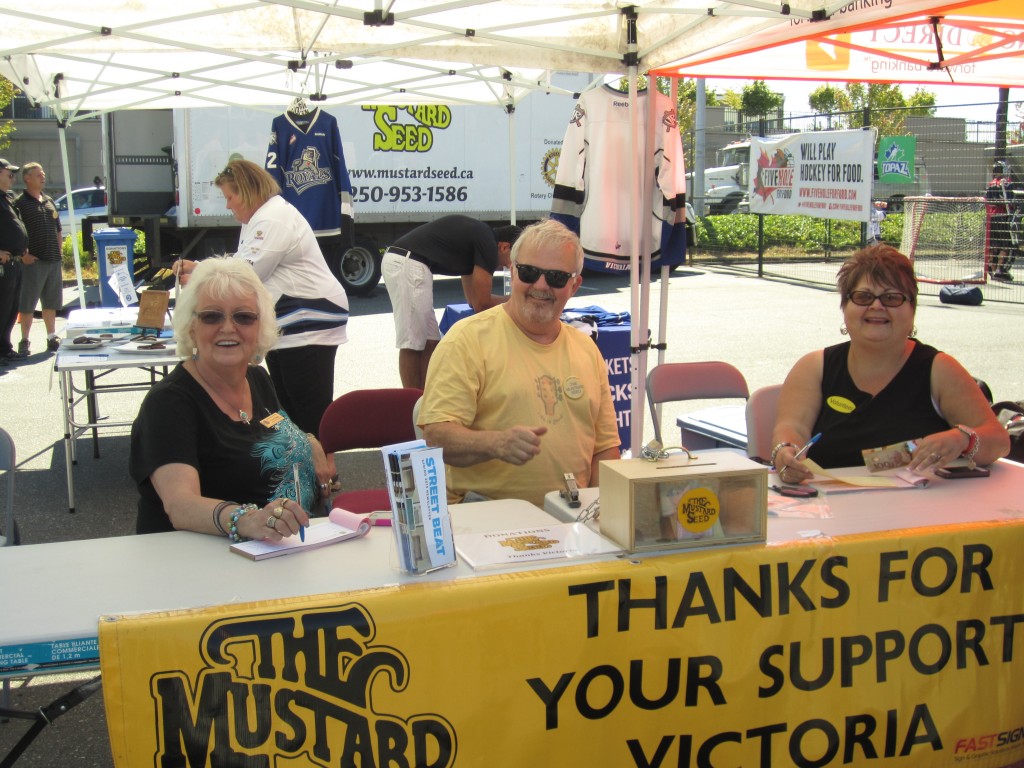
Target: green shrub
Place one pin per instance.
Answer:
(67, 254)
(799, 234)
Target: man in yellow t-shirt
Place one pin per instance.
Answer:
(514, 397)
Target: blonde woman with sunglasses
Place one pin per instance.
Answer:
(212, 450)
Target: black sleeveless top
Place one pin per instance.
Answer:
(851, 420)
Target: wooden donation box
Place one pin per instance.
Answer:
(718, 497)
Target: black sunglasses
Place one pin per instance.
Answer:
(867, 298)
(216, 317)
(556, 278)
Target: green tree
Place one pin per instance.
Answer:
(686, 102)
(882, 102)
(757, 101)
(733, 99)
(7, 93)
(828, 99)
(922, 103)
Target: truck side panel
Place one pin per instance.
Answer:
(406, 164)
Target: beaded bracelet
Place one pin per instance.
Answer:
(239, 513)
(779, 447)
(216, 516)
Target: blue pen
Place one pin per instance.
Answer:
(298, 499)
(802, 452)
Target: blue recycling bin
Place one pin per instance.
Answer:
(115, 247)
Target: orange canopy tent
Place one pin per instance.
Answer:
(894, 41)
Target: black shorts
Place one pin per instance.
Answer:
(1001, 236)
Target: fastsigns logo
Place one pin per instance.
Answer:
(298, 684)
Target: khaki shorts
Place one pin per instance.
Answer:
(410, 286)
(41, 280)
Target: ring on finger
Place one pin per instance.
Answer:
(271, 522)
(278, 511)
(936, 456)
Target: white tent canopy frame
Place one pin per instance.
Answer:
(107, 54)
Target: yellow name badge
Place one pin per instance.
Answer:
(841, 404)
(698, 510)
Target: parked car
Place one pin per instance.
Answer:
(91, 201)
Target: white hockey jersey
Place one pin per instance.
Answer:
(308, 161)
(592, 195)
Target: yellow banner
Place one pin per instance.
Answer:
(897, 649)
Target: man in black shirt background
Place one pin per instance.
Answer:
(13, 243)
(41, 277)
(450, 245)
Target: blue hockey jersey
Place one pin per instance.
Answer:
(308, 161)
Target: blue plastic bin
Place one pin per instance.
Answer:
(115, 246)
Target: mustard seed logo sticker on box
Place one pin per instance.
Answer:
(698, 509)
(291, 686)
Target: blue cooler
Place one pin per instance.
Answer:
(115, 246)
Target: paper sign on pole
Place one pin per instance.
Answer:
(120, 282)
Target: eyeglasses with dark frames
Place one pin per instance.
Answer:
(216, 317)
(556, 278)
(867, 298)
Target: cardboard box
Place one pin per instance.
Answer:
(720, 497)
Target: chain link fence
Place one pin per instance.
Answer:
(954, 158)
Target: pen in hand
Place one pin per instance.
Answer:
(803, 451)
(298, 499)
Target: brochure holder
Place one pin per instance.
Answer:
(419, 506)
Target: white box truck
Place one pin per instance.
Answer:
(407, 165)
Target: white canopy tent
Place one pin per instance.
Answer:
(108, 54)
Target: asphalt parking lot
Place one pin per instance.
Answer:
(761, 326)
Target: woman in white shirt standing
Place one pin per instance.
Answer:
(310, 303)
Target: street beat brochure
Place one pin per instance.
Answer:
(340, 525)
(419, 505)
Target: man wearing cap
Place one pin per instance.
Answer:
(13, 245)
(450, 245)
(41, 269)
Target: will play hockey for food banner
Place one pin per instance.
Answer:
(826, 175)
(893, 649)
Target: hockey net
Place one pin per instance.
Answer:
(945, 238)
